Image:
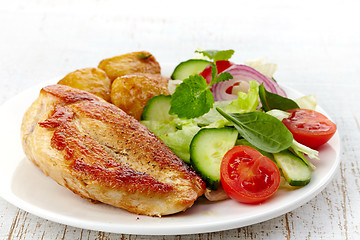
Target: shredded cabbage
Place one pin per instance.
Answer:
(307, 102)
(311, 153)
(279, 114)
(267, 69)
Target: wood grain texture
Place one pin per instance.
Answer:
(317, 50)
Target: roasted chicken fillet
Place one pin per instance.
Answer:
(100, 153)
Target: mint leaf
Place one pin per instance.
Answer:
(224, 76)
(217, 55)
(192, 98)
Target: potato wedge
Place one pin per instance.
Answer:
(134, 62)
(131, 92)
(93, 80)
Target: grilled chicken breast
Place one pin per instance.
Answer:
(99, 152)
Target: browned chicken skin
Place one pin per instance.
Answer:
(99, 152)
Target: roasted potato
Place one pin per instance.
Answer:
(131, 92)
(93, 80)
(134, 62)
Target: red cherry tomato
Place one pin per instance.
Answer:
(221, 65)
(309, 127)
(247, 176)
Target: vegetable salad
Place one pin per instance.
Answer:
(236, 127)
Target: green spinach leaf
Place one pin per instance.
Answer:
(262, 130)
(271, 100)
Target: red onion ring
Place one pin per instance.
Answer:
(243, 73)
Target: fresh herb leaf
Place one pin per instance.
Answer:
(143, 56)
(214, 72)
(192, 98)
(224, 76)
(215, 78)
(262, 130)
(271, 100)
(216, 55)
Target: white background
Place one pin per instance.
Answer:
(316, 45)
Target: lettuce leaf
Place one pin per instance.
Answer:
(179, 141)
(246, 102)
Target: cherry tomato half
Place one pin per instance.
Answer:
(221, 65)
(309, 127)
(247, 176)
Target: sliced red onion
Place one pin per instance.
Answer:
(243, 73)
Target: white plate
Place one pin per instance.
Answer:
(25, 186)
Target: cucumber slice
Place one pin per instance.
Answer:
(295, 171)
(190, 67)
(157, 109)
(207, 149)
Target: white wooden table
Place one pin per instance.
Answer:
(316, 45)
